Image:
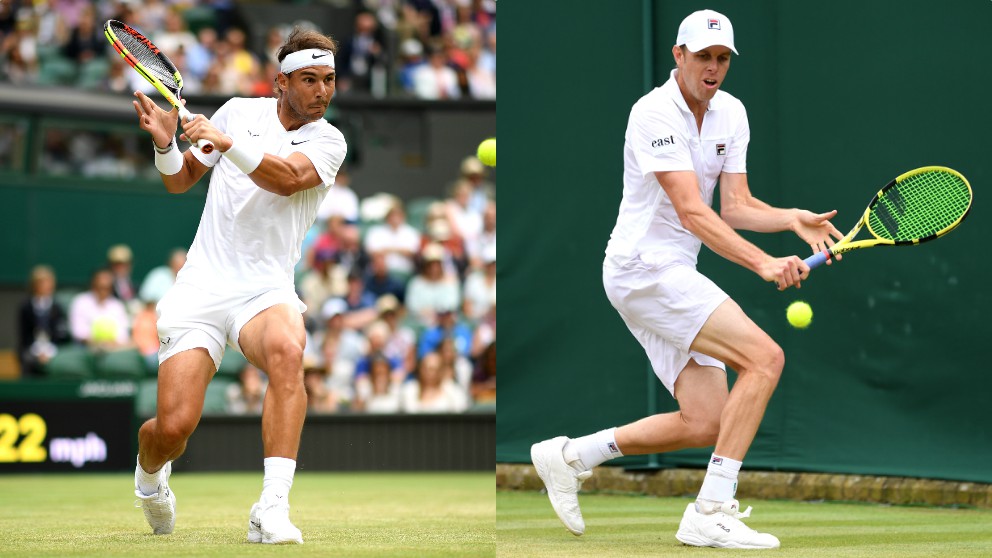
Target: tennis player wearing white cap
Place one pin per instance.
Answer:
(274, 161)
(682, 138)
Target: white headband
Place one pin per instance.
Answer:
(306, 58)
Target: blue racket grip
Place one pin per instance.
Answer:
(817, 259)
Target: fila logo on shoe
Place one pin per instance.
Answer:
(720, 525)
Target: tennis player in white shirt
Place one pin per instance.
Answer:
(681, 139)
(274, 161)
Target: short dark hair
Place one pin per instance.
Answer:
(302, 39)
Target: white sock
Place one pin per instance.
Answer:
(144, 482)
(719, 484)
(589, 451)
(278, 477)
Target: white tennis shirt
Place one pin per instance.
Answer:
(249, 239)
(662, 136)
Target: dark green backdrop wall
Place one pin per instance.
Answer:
(891, 378)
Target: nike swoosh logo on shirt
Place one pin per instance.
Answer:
(298, 142)
(314, 56)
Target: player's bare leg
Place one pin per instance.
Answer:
(274, 341)
(701, 392)
(730, 336)
(182, 386)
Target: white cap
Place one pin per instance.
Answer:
(333, 307)
(705, 28)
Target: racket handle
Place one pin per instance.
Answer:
(817, 259)
(205, 146)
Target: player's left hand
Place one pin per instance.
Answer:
(816, 230)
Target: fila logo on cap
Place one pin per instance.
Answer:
(713, 24)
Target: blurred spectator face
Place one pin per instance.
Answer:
(489, 217)
(207, 37)
(251, 380)
(379, 373)
(119, 257)
(350, 238)
(447, 351)
(313, 380)
(365, 24)
(378, 264)
(446, 319)
(177, 260)
(42, 281)
(429, 371)
(433, 270)
(174, 22)
(438, 58)
(236, 38)
(378, 335)
(330, 349)
(323, 261)
(356, 285)
(462, 193)
(395, 217)
(102, 284)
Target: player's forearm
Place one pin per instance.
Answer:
(275, 174)
(269, 172)
(718, 236)
(755, 215)
(184, 179)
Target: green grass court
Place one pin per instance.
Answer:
(340, 514)
(634, 526)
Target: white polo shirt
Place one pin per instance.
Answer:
(249, 239)
(662, 136)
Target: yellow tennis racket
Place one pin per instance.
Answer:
(153, 65)
(920, 205)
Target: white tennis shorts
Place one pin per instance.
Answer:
(664, 305)
(189, 318)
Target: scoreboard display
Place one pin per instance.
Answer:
(66, 434)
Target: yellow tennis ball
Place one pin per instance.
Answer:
(103, 329)
(487, 152)
(799, 314)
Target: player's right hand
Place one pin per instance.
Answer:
(157, 122)
(784, 272)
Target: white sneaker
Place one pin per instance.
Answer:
(721, 529)
(160, 508)
(561, 480)
(269, 523)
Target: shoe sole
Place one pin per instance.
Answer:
(692, 539)
(537, 459)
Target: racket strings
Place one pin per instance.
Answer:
(920, 206)
(148, 59)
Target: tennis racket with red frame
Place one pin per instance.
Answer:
(153, 65)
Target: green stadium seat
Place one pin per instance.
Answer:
(93, 74)
(64, 297)
(123, 364)
(198, 17)
(416, 211)
(57, 70)
(71, 362)
(146, 400)
(232, 364)
(216, 398)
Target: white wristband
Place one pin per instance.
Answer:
(245, 155)
(170, 162)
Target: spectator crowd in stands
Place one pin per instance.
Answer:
(401, 305)
(428, 49)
